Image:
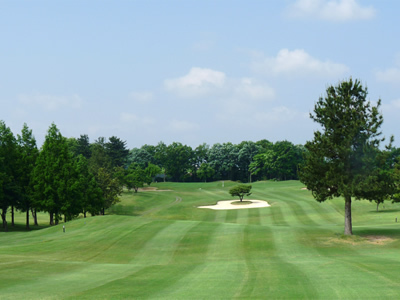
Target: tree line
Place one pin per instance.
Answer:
(71, 176)
(246, 162)
(64, 178)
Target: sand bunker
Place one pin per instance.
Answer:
(227, 204)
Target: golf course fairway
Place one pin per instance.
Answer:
(158, 244)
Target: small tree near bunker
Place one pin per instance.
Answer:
(240, 191)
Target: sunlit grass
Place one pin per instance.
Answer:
(159, 245)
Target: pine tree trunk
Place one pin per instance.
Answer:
(4, 219)
(51, 219)
(34, 216)
(12, 216)
(27, 219)
(348, 228)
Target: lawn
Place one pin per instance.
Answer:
(159, 245)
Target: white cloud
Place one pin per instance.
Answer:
(132, 118)
(391, 75)
(206, 82)
(261, 118)
(298, 62)
(128, 117)
(198, 82)
(142, 96)
(277, 114)
(247, 88)
(183, 126)
(331, 10)
(51, 102)
(391, 107)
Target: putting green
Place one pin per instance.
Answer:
(159, 245)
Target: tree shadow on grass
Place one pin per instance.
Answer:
(121, 210)
(22, 228)
(385, 210)
(389, 232)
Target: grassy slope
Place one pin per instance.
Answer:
(161, 246)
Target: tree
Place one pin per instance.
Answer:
(135, 179)
(142, 156)
(99, 158)
(55, 178)
(9, 187)
(240, 191)
(151, 171)
(380, 185)
(160, 155)
(178, 160)
(27, 160)
(338, 161)
(205, 171)
(223, 158)
(83, 146)
(91, 194)
(116, 150)
(110, 188)
(246, 154)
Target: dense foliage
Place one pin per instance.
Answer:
(245, 162)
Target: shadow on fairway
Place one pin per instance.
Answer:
(384, 210)
(389, 232)
(22, 227)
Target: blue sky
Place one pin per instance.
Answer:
(192, 71)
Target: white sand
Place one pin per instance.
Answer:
(227, 204)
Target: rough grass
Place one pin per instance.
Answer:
(159, 245)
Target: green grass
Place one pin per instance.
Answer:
(159, 245)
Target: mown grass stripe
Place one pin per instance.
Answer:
(278, 218)
(231, 216)
(265, 215)
(242, 216)
(254, 216)
(126, 243)
(160, 248)
(220, 216)
(299, 213)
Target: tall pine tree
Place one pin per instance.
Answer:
(9, 187)
(55, 178)
(28, 153)
(338, 161)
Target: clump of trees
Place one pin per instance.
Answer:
(65, 178)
